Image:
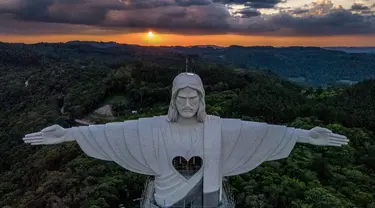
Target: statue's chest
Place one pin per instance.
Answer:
(183, 142)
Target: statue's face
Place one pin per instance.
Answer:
(187, 102)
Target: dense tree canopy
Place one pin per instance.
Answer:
(62, 176)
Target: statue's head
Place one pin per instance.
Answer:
(187, 98)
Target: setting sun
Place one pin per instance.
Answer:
(150, 38)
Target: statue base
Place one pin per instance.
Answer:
(147, 199)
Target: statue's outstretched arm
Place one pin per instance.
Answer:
(320, 136)
(56, 134)
(247, 144)
(117, 141)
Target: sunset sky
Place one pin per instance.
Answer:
(191, 22)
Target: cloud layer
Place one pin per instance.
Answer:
(322, 17)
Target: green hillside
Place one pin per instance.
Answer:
(62, 176)
(311, 66)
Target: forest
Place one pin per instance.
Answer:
(34, 86)
(311, 66)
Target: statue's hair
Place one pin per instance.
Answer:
(173, 112)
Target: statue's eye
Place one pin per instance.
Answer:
(181, 99)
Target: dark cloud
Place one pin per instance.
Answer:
(359, 7)
(143, 4)
(298, 11)
(207, 18)
(257, 4)
(367, 12)
(262, 4)
(248, 12)
(231, 1)
(252, 3)
(11, 26)
(179, 16)
(192, 2)
(337, 22)
(61, 11)
(90, 12)
(363, 9)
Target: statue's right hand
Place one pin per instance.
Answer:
(51, 135)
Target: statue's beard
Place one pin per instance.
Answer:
(187, 113)
(188, 110)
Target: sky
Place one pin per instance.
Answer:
(191, 22)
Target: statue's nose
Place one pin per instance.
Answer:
(187, 102)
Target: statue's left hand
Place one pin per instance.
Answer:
(325, 137)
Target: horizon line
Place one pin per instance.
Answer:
(186, 46)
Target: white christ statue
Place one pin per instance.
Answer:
(148, 146)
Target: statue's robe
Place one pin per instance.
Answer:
(147, 146)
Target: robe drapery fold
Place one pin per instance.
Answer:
(231, 147)
(212, 160)
(248, 144)
(118, 142)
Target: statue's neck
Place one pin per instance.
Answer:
(187, 121)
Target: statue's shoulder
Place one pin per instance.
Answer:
(212, 117)
(224, 120)
(235, 123)
(230, 124)
(155, 121)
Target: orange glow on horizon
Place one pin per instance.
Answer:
(183, 40)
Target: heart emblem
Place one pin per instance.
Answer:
(187, 168)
